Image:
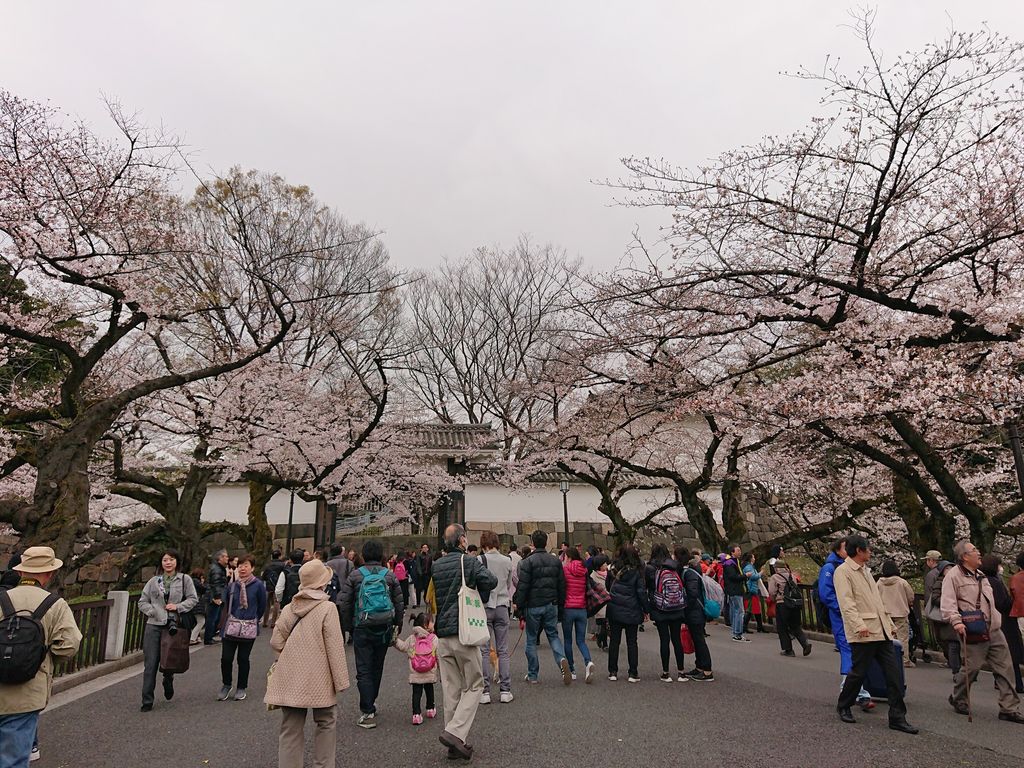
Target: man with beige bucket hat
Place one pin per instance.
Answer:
(35, 626)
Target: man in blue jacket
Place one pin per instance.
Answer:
(827, 593)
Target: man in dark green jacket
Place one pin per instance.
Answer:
(462, 679)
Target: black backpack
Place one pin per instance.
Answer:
(333, 587)
(22, 640)
(791, 595)
(291, 585)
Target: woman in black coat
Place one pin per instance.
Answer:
(626, 610)
(694, 617)
(667, 607)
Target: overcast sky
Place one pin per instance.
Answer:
(450, 125)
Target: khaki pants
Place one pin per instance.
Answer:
(462, 683)
(902, 624)
(292, 742)
(997, 653)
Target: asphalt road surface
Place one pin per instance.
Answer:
(762, 710)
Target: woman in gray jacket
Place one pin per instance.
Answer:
(164, 600)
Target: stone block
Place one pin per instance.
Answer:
(89, 572)
(109, 575)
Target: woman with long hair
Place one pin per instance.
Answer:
(166, 598)
(574, 613)
(666, 595)
(626, 610)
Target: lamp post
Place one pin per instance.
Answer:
(563, 486)
(291, 512)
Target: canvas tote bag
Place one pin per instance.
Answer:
(472, 614)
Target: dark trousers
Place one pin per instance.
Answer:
(418, 689)
(632, 651)
(370, 646)
(421, 590)
(757, 616)
(668, 633)
(602, 633)
(151, 661)
(405, 592)
(787, 621)
(227, 660)
(863, 655)
(212, 620)
(701, 652)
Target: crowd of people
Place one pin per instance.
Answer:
(316, 602)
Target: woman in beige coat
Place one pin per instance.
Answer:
(310, 669)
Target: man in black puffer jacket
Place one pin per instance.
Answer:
(540, 597)
(462, 677)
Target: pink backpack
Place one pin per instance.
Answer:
(400, 572)
(423, 657)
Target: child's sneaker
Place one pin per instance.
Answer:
(431, 713)
(417, 719)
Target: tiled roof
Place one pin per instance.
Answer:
(453, 437)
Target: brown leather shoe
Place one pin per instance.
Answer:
(455, 744)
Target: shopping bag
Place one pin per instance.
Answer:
(472, 613)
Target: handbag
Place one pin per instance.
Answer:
(472, 614)
(174, 655)
(686, 639)
(975, 622)
(597, 597)
(239, 629)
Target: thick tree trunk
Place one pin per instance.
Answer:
(925, 529)
(702, 519)
(259, 529)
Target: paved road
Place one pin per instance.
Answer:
(762, 710)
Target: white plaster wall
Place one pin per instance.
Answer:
(495, 503)
(230, 502)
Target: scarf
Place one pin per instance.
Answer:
(243, 591)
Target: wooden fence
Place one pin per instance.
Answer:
(93, 619)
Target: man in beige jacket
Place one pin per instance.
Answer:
(965, 588)
(21, 703)
(870, 632)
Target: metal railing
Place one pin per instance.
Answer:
(92, 618)
(809, 616)
(135, 626)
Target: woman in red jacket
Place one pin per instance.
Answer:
(574, 613)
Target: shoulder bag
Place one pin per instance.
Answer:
(472, 614)
(244, 630)
(975, 622)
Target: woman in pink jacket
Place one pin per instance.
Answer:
(574, 612)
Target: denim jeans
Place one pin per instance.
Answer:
(575, 620)
(17, 732)
(546, 618)
(736, 614)
(212, 620)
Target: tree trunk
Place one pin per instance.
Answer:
(259, 529)
(925, 529)
(59, 513)
(702, 520)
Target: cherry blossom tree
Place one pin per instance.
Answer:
(861, 278)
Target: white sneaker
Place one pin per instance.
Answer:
(366, 721)
(35, 755)
(634, 679)
(589, 674)
(485, 698)
(506, 697)
(574, 676)
(613, 678)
